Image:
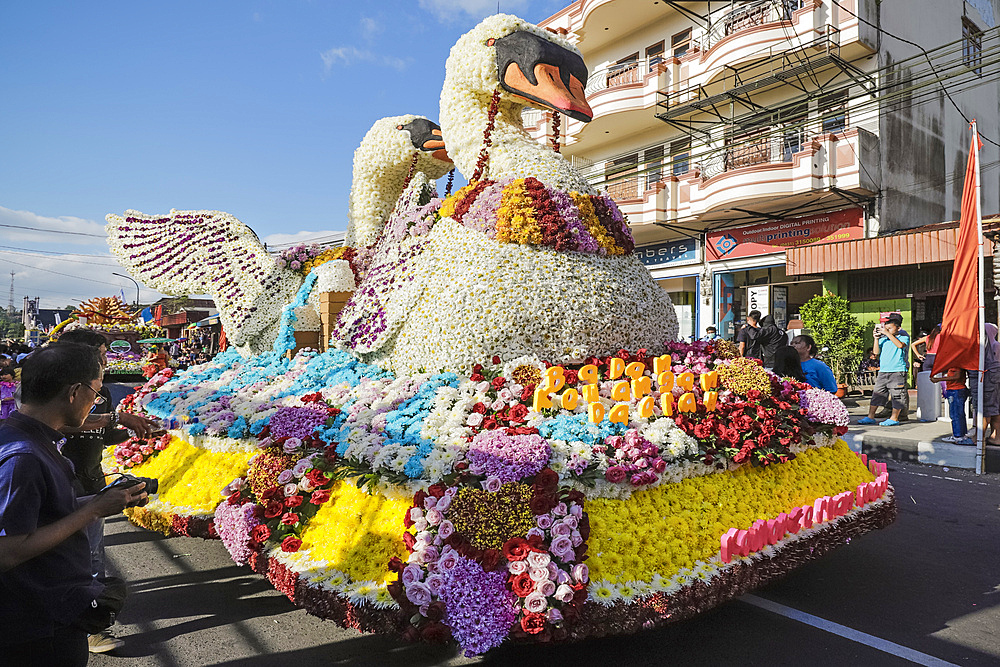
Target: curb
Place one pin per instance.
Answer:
(923, 451)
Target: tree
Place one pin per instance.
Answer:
(836, 331)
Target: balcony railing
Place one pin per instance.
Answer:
(767, 146)
(621, 74)
(626, 188)
(747, 16)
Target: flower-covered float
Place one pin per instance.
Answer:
(503, 443)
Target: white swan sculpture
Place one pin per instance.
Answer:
(499, 276)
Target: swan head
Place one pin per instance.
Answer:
(425, 135)
(529, 65)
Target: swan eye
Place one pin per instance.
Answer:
(491, 41)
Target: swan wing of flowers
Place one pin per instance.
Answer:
(208, 252)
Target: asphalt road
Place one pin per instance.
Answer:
(924, 591)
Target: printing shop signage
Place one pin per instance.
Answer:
(672, 252)
(769, 237)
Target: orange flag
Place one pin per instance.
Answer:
(959, 346)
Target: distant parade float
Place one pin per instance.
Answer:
(502, 439)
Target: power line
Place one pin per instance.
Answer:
(67, 275)
(57, 231)
(63, 259)
(56, 252)
(926, 56)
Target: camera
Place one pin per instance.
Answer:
(152, 485)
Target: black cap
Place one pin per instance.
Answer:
(895, 317)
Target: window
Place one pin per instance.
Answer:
(793, 123)
(653, 159)
(621, 175)
(972, 46)
(680, 156)
(833, 111)
(680, 43)
(654, 55)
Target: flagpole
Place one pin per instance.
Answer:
(980, 432)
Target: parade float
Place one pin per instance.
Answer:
(499, 438)
(123, 329)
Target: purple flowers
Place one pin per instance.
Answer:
(234, 523)
(508, 458)
(822, 406)
(296, 422)
(479, 608)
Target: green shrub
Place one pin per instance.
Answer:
(829, 318)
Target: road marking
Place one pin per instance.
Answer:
(950, 479)
(883, 645)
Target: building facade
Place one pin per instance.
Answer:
(732, 133)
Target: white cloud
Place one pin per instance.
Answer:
(273, 240)
(452, 10)
(350, 55)
(24, 226)
(370, 27)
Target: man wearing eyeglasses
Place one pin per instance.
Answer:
(46, 583)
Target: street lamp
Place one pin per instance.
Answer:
(122, 275)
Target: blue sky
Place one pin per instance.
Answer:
(253, 108)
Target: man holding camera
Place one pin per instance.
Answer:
(48, 595)
(891, 345)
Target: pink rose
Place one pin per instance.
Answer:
(418, 593)
(492, 484)
(517, 567)
(285, 477)
(447, 561)
(498, 405)
(571, 521)
(434, 583)
(576, 511)
(560, 509)
(306, 485)
(416, 513)
(544, 521)
(555, 616)
(562, 547)
(446, 529)
(430, 502)
(581, 573)
(431, 554)
(562, 577)
(536, 531)
(546, 588)
(553, 570)
(291, 445)
(301, 467)
(561, 529)
(615, 474)
(291, 489)
(536, 603)
(412, 573)
(564, 593)
(538, 574)
(434, 517)
(450, 492)
(420, 524)
(537, 559)
(443, 503)
(475, 419)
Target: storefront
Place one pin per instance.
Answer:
(749, 268)
(674, 265)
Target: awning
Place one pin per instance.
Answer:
(208, 321)
(933, 243)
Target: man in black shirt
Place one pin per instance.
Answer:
(749, 336)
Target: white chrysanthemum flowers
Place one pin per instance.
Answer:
(381, 165)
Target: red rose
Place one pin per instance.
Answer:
(522, 585)
(491, 557)
(269, 493)
(574, 496)
(477, 377)
(260, 533)
(541, 503)
(274, 509)
(318, 477)
(516, 548)
(528, 392)
(533, 623)
(290, 518)
(546, 480)
(498, 382)
(495, 360)
(409, 540)
(293, 501)
(536, 543)
(518, 413)
(436, 490)
(572, 377)
(435, 610)
(479, 408)
(489, 424)
(396, 565)
(322, 495)
(291, 544)
(615, 474)
(234, 499)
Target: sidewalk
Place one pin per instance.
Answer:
(912, 441)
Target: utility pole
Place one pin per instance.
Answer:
(10, 299)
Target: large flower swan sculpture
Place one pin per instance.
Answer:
(528, 260)
(211, 252)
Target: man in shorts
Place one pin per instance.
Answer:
(891, 346)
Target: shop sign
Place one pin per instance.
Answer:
(757, 299)
(769, 237)
(780, 309)
(671, 252)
